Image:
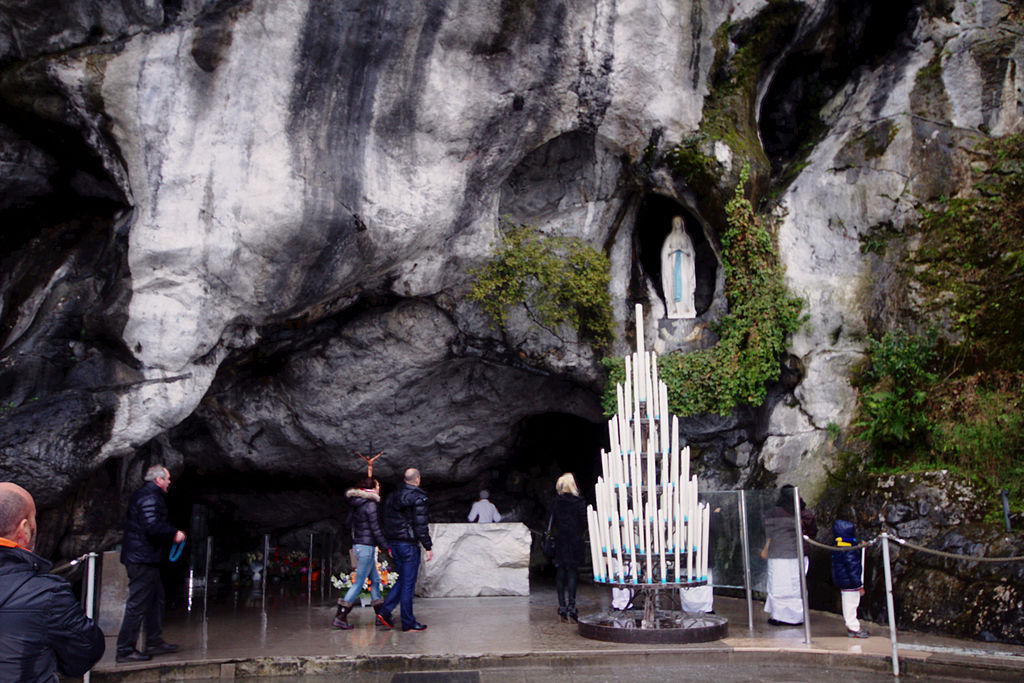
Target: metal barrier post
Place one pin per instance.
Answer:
(744, 542)
(266, 564)
(309, 571)
(889, 605)
(800, 561)
(90, 596)
(1006, 508)
(206, 573)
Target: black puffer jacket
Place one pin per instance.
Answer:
(42, 627)
(364, 519)
(405, 516)
(569, 521)
(147, 533)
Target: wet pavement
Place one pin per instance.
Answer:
(501, 639)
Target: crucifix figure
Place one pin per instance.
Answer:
(678, 279)
(369, 463)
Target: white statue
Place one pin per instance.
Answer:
(678, 279)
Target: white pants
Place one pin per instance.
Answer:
(784, 602)
(851, 600)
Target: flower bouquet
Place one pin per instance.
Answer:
(388, 577)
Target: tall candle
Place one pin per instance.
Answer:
(639, 312)
(705, 539)
(679, 531)
(592, 528)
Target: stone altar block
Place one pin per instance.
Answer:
(477, 559)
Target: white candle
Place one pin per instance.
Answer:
(678, 530)
(616, 529)
(704, 540)
(644, 544)
(664, 548)
(655, 385)
(639, 313)
(674, 448)
(592, 528)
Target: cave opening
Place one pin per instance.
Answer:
(546, 446)
(237, 506)
(855, 35)
(653, 224)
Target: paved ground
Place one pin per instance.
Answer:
(507, 639)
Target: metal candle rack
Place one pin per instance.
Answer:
(648, 532)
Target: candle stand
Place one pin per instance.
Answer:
(648, 530)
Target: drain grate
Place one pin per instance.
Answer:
(438, 677)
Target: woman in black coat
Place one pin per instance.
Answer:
(366, 535)
(569, 520)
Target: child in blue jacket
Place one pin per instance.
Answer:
(846, 574)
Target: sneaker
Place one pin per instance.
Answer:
(863, 633)
(416, 626)
(385, 620)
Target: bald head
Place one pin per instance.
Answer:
(412, 476)
(17, 515)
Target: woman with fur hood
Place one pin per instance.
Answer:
(364, 501)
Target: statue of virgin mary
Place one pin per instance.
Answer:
(678, 279)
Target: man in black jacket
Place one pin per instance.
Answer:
(43, 629)
(147, 536)
(405, 526)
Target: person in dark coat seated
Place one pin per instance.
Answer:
(569, 521)
(43, 629)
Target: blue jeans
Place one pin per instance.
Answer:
(365, 566)
(407, 564)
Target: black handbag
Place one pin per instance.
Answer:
(547, 543)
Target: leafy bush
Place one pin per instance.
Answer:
(895, 393)
(558, 280)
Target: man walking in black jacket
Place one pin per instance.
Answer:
(43, 629)
(406, 528)
(147, 536)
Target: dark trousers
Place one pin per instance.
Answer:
(145, 604)
(407, 564)
(566, 579)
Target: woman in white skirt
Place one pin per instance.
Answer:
(784, 604)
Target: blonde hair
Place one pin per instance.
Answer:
(567, 484)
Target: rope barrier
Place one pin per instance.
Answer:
(954, 556)
(912, 546)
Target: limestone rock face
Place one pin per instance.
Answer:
(472, 560)
(237, 235)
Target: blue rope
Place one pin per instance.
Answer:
(176, 551)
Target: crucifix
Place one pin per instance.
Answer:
(369, 463)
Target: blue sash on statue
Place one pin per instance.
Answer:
(677, 276)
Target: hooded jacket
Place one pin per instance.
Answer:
(364, 518)
(846, 567)
(147, 533)
(43, 629)
(405, 516)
